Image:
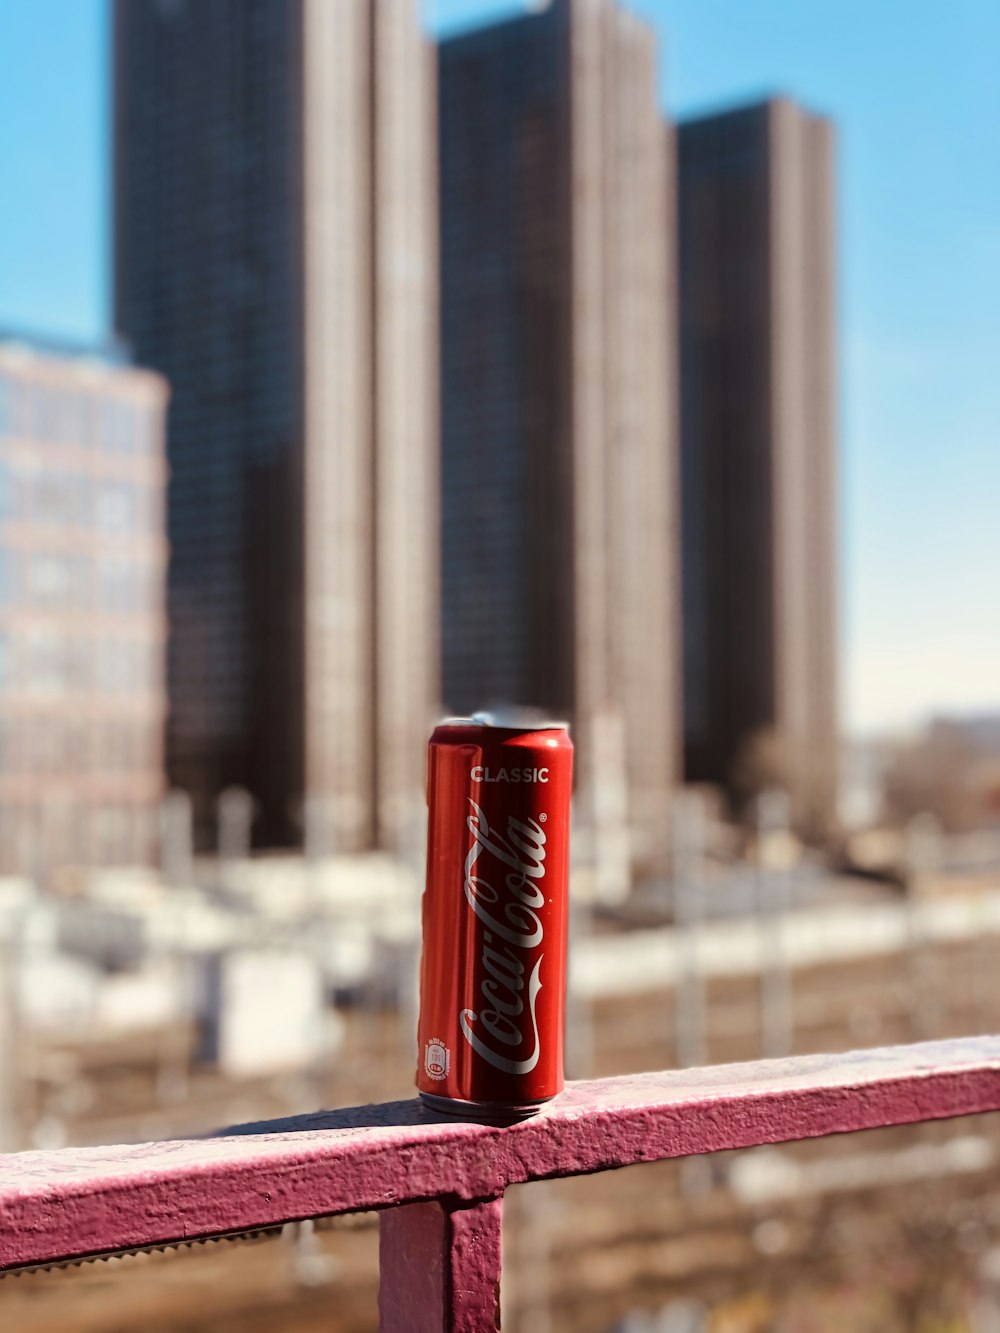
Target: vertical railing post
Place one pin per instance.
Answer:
(439, 1267)
(922, 855)
(777, 1017)
(688, 855)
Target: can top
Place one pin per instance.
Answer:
(507, 719)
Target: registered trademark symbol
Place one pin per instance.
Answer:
(542, 819)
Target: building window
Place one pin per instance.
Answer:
(83, 501)
(46, 744)
(8, 661)
(126, 428)
(81, 664)
(117, 583)
(47, 580)
(62, 417)
(17, 409)
(116, 666)
(9, 491)
(108, 427)
(8, 754)
(116, 508)
(49, 663)
(117, 747)
(58, 581)
(112, 831)
(8, 578)
(77, 419)
(44, 414)
(55, 498)
(78, 736)
(118, 429)
(147, 423)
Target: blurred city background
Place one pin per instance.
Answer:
(364, 361)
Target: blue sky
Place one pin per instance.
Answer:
(914, 90)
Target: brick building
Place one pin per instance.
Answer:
(82, 620)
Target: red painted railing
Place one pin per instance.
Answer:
(441, 1182)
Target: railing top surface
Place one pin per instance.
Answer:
(79, 1201)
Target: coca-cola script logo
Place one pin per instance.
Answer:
(512, 928)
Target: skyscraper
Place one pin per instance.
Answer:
(557, 403)
(82, 626)
(275, 201)
(758, 443)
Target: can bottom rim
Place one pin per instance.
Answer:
(493, 1113)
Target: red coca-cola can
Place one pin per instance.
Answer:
(493, 970)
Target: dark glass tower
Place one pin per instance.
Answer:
(275, 257)
(758, 442)
(557, 404)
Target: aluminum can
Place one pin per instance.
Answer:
(495, 908)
